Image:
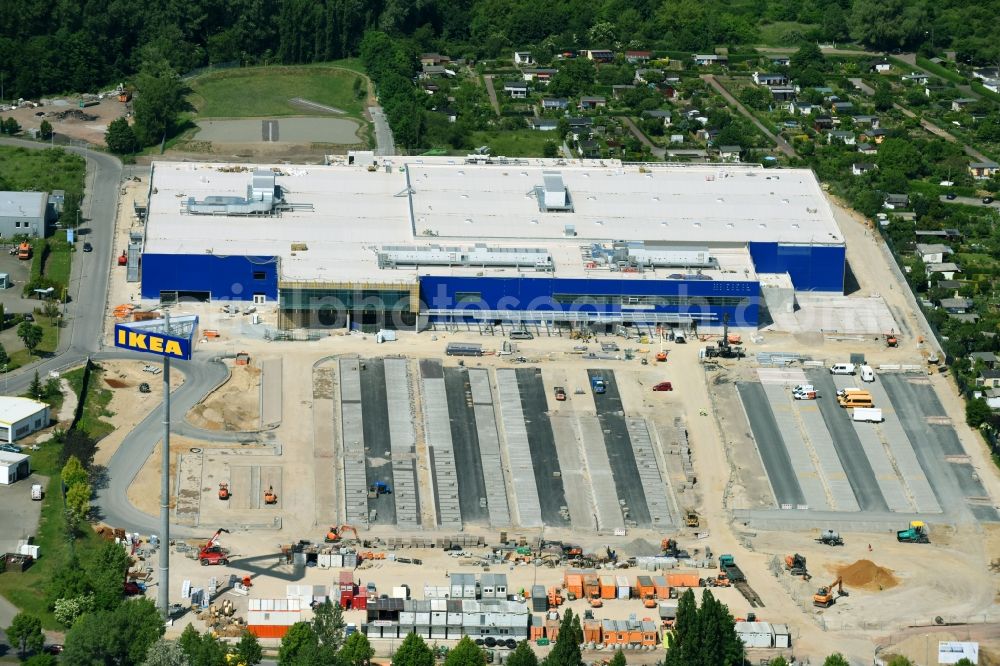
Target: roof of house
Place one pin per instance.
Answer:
(933, 248)
(987, 356)
(988, 164)
(29, 205)
(957, 303)
(657, 113)
(990, 373)
(967, 317)
(555, 101)
(513, 85)
(864, 147)
(14, 409)
(592, 98)
(730, 149)
(896, 198)
(863, 166)
(943, 267)
(11, 458)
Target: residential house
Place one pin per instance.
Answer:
(989, 359)
(449, 113)
(860, 168)
(705, 60)
(434, 59)
(783, 93)
(523, 58)
(962, 102)
(589, 149)
(662, 114)
(956, 305)
(693, 155)
(953, 285)
(764, 79)
(802, 108)
(876, 135)
(618, 91)
(841, 136)
(431, 71)
(841, 108)
(967, 318)
(600, 55)
(638, 57)
(866, 148)
(647, 74)
(952, 235)
(870, 121)
(880, 65)
(822, 123)
(429, 88)
(554, 103)
(543, 124)
(988, 378)
(986, 73)
(540, 75)
(946, 269)
(933, 253)
(933, 89)
(919, 78)
(983, 170)
(516, 89)
(730, 153)
(593, 102)
(893, 201)
(580, 127)
(707, 134)
(993, 85)
(781, 61)
(676, 138)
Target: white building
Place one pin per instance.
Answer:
(19, 417)
(13, 466)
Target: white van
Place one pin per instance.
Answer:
(842, 369)
(867, 374)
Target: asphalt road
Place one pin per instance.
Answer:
(621, 457)
(383, 134)
(771, 446)
(465, 444)
(378, 445)
(970, 201)
(545, 460)
(845, 440)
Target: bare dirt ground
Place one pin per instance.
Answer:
(233, 406)
(65, 117)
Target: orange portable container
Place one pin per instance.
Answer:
(591, 586)
(684, 579)
(662, 589)
(552, 630)
(644, 585)
(608, 589)
(574, 585)
(592, 631)
(537, 631)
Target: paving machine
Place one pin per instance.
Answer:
(915, 533)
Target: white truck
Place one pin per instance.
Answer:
(867, 374)
(36, 492)
(867, 415)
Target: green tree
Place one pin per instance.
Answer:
(202, 649)
(117, 637)
(25, 632)
(11, 126)
(900, 155)
(964, 662)
(35, 387)
(31, 335)
(165, 653)
(45, 130)
(4, 358)
(160, 98)
(883, 98)
(618, 659)
(900, 660)
(836, 659)
(413, 651)
(357, 651)
(67, 609)
(808, 56)
(550, 149)
(886, 24)
(720, 644)
(78, 501)
(567, 649)
(298, 645)
(120, 137)
(247, 651)
(73, 472)
(466, 653)
(522, 655)
(328, 623)
(41, 659)
(977, 412)
(778, 661)
(686, 632)
(106, 575)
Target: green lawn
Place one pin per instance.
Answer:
(41, 170)
(265, 91)
(517, 143)
(783, 33)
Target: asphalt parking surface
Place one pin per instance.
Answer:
(845, 439)
(770, 444)
(620, 455)
(465, 444)
(548, 477)
(378, 461)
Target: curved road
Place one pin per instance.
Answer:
(85, 312)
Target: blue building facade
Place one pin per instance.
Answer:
(811, 267)
(206, 277)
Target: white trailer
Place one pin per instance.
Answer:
(868, 414)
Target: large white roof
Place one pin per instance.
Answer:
(30, 205)
(14, 409)
(443, 201)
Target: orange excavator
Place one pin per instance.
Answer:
(223, 491)
(891, 339)
(338, 533)
(825, 597)
(269, 496)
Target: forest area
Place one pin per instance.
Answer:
(67, 46)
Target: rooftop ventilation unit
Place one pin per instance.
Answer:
(392, 256)
(553, 195)
(652, 255)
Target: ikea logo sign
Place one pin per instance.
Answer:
(152, 343)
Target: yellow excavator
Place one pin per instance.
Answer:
(825, 596)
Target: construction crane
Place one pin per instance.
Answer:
(724, 348)
(223, 491)
(211, 553)
(269, 496)
(337, 533)
(825, 597)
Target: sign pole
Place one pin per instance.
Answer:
(164, 591)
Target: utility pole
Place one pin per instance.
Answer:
(163, 597)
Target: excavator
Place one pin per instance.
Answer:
(269, 496)
(825, 597)
(211, 553)
(337, 533)
(223, 491)
(796, 565)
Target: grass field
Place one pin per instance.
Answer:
(519, 143)
(96, 404)
(784, 33)
(41, 170)
(265, 91)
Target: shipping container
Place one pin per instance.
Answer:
(591, 631)
(591, 586)
(645, 588)
(624, 588)
(684, 579)
(268, 630)
(574, 585)
(608, 588)
(662, 589)
(755, 634)
(782, 638)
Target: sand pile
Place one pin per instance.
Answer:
(867, 575)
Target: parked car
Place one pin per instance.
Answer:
(87, 247)
(664, 386)
(950, 196)
(987, 200)
(521, 335)
(560, 393)
(10, 448)
(29, 317)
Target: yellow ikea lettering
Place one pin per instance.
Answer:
(173, 348)
(136, 340)
(155, 344)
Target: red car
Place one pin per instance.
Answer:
(664, 386)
